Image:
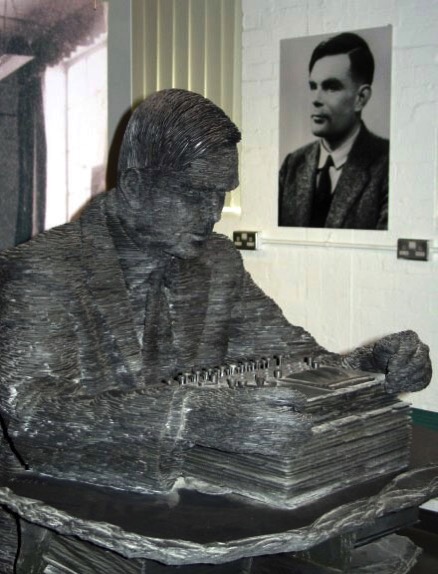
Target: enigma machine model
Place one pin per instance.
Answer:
(350, 431)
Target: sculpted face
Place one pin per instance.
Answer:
(336, 98)
(177, 216)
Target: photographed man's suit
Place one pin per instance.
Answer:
(360, 199)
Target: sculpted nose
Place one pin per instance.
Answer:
(215, 212)
(211, 206)
(218, 209)
(215, 206)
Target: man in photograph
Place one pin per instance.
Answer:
(340, 180)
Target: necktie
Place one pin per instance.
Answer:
(158, 353)
(322, 198)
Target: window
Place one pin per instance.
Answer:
(75, 107)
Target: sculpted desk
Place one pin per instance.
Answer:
(359, 433)
(71, 527)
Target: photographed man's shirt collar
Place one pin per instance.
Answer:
(339, 156)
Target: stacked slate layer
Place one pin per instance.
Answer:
(359, 432)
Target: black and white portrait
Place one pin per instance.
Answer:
(334, 130)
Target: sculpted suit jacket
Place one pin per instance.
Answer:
(73, 372)
(360, 199)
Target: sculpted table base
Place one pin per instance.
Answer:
(70, 527)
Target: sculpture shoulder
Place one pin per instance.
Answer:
(47, 253)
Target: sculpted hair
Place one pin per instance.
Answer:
(361, 58)
(172, 128)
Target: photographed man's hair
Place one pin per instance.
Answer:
(361, 58)
(171, 128)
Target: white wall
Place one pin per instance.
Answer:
(347, 287)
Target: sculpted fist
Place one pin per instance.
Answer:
(402, 357)
(405, 361)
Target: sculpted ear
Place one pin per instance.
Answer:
(132, 186)
(362, 97)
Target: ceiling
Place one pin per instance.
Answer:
(30, 18)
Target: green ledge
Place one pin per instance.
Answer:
(427, 419)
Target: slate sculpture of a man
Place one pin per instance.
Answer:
(95, 314)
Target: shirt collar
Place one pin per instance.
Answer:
(340, 154)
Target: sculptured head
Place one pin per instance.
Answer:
(178, 159)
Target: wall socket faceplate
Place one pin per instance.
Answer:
(246, 240)
(416, 249)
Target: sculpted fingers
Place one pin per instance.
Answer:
(410, 370)
(404, 359)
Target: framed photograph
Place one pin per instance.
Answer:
(335, 95)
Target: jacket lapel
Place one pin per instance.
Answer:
(106, 284)
(353, 181)
(187, 290)
(304, 186)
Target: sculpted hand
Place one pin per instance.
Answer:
(405, 361)
(402, 357)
